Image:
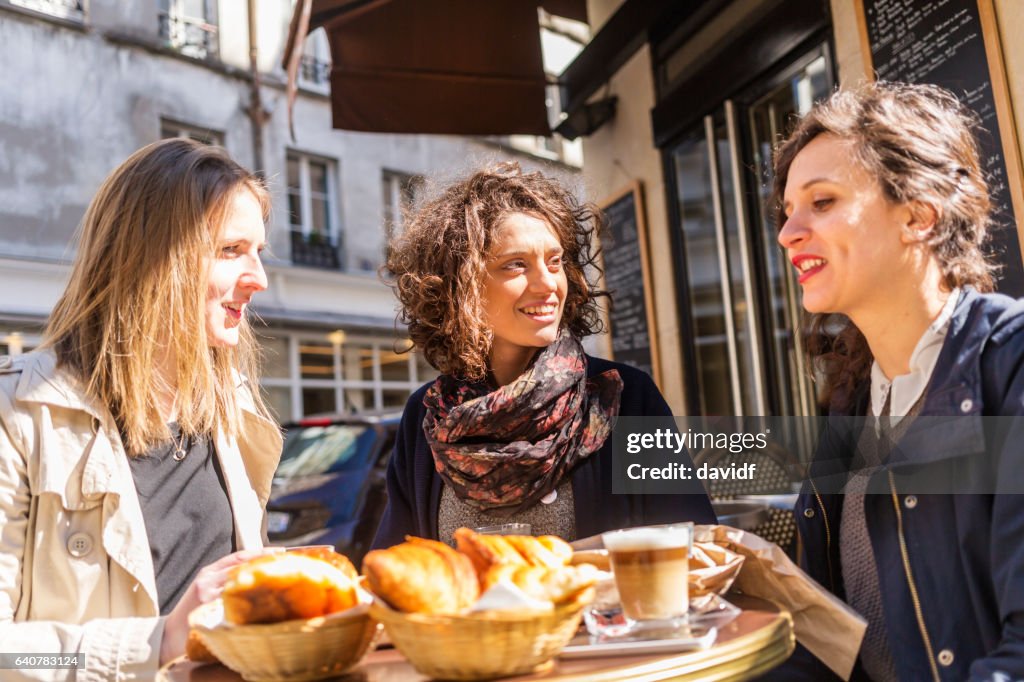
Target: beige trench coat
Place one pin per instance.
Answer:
(76, 573)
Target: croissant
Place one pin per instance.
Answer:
(487, 551)
(552, 584)
(286, 586)
(422, 576)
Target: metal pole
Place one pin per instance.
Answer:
(257, 115)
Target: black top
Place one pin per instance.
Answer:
(187, 512)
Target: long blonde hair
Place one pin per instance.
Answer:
(137, 291)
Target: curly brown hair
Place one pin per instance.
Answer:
(918, 141)
(437, 266)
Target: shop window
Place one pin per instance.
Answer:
(394, 366)
(279, 400)
(307, 374)
(316, 360)
(318, 400)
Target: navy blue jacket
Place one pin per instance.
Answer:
(414, 488)
(965, 551)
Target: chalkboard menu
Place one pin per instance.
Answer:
(942, 42)
(626, 276)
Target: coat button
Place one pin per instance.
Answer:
(79, 544)
(910, 501)
(966, 405)
(945, 658)
(809, 513)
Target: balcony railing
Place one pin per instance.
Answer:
(65, 9)
(191, 37)
(315, 250)
(314, 71)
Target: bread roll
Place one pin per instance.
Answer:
(286, 586)
(422, 576)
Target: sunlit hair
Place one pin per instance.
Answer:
(137, 293)
(437, 267)
(919, 142)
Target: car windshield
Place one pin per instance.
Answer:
(311, 450)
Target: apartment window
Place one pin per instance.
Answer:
(169, 129)
(72, 10)
(315, 64)
(189, 27)
(399, 192)
(312, 374)
(312, 207)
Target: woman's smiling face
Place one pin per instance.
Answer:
(842, 234)
(236, 272)
(525, 287)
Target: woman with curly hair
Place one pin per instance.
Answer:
(884, 212)
(491, 278)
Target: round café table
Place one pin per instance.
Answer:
(759, 639)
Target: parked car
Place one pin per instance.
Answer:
(329, 487)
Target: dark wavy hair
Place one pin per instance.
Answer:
(919, 142)
(437, 266)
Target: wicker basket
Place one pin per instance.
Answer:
(293, 650)
(483, 645)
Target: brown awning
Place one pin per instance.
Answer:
(470, 67)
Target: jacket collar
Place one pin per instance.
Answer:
(949, 424)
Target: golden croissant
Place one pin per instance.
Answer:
(487, 551)
(550, 584)
(423, 576)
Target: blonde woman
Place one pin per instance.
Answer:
(135, 456)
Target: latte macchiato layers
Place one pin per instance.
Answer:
(651, 567)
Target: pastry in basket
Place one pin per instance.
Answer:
(556, 585)
(486, 551)
(423, 576)
(286, 586)
(339, 561)
(196, 651)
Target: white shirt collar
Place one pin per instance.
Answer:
(907, 388)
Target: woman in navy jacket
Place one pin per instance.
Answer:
(884, 211)
(491, 280)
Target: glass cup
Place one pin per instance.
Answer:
(506, 529)
(652, 566)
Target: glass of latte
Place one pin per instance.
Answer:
(651, 566)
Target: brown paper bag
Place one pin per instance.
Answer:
(829, 628)
(713, 568)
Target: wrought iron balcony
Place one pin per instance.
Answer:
(315, 250)
(65, 9)
(314, 71)
(191, 37)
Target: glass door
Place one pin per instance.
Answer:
(742, 297)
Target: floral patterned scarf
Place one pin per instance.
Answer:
(503, 450)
